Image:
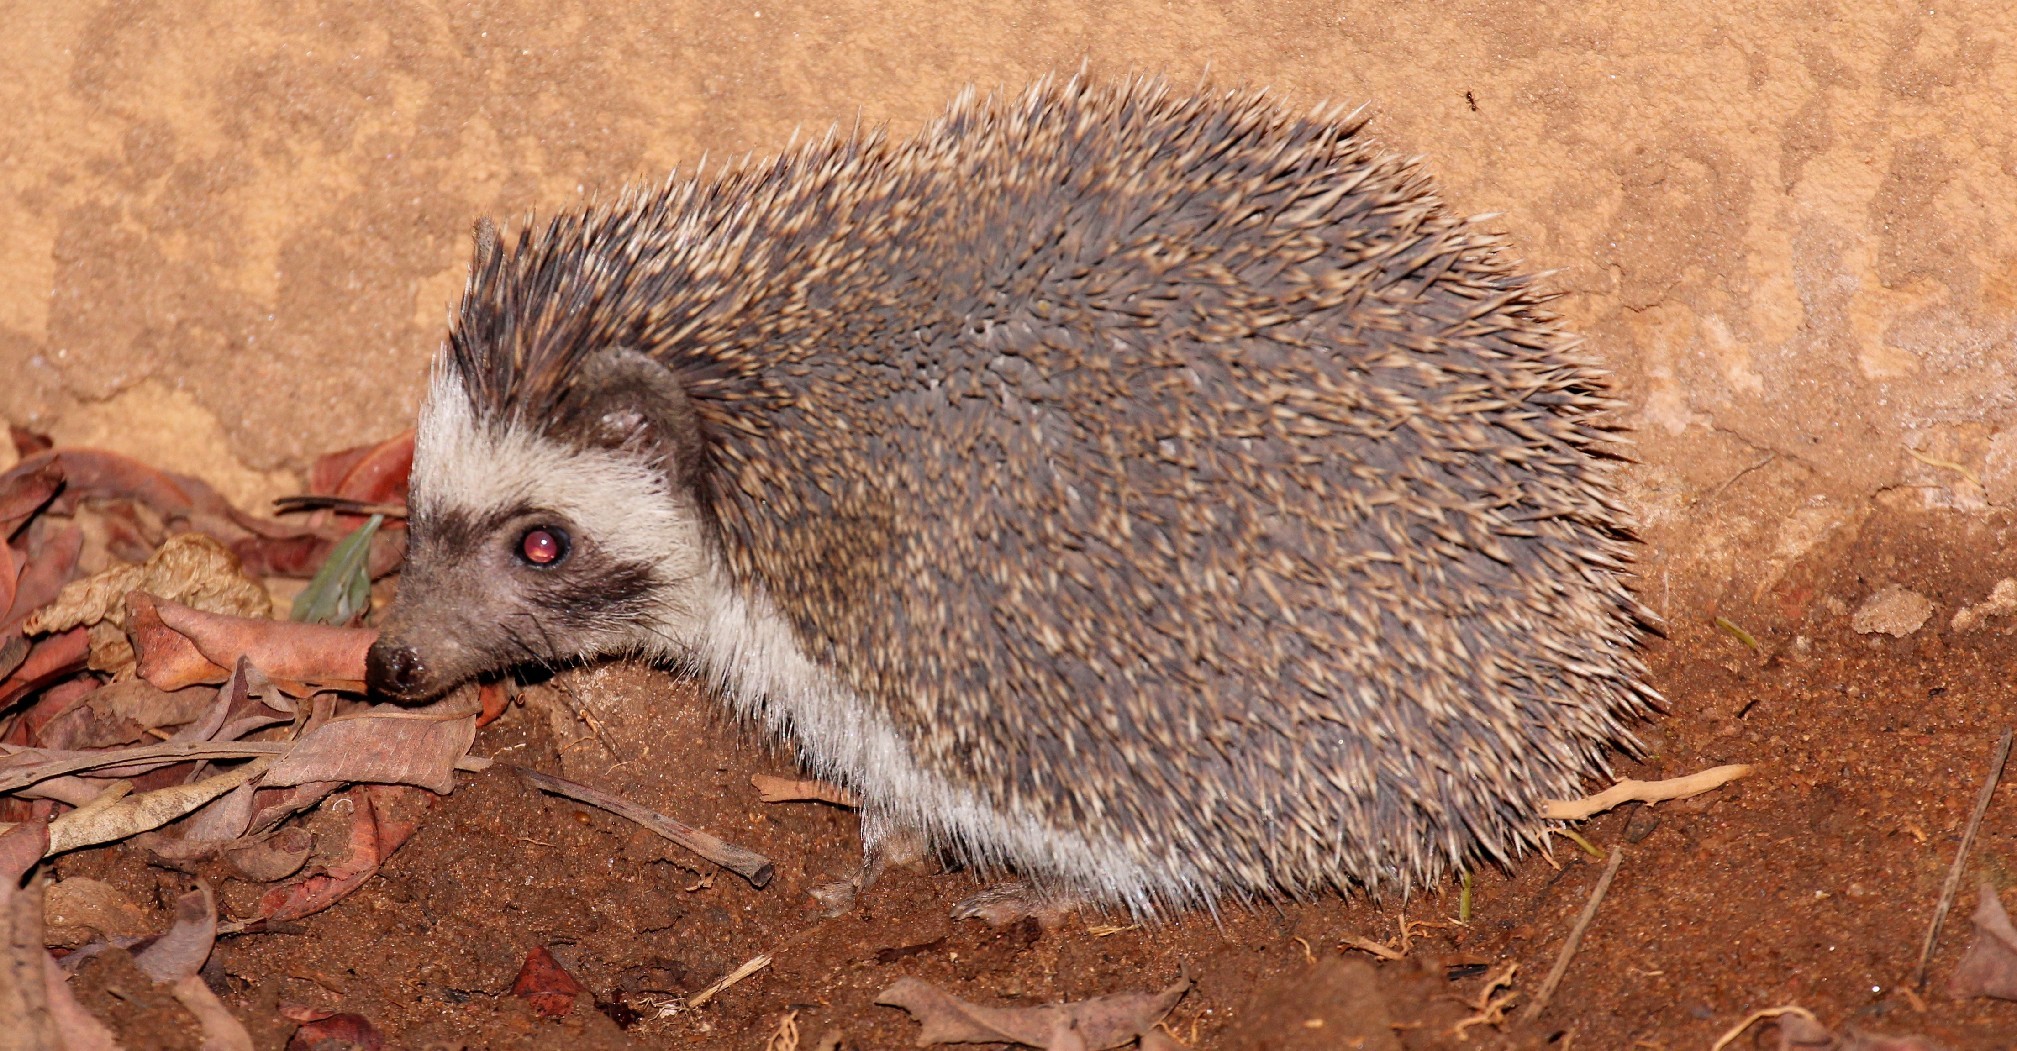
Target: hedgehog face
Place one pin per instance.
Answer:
(533, 547)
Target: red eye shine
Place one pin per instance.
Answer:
(543, 547)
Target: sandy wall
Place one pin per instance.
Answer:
(230, 232)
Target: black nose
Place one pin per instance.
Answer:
(392, 670)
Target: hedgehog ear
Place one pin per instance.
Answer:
(628, 401)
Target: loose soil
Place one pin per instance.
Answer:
(1811, 882)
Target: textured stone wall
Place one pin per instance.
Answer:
(230, 232)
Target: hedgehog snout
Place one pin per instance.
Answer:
(395, 670)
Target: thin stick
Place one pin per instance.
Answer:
(1629, 790)
(754, 965)
(1371, 946)
(1758, 1016)
(1575, 941)
(342, 505)
(743, 862)
(1996, 762)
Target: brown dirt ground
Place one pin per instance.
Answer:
(1811, 882)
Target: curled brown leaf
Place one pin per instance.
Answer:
(292, 654)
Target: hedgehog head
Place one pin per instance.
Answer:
(539, 543)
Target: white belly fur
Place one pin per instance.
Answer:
(751, 656)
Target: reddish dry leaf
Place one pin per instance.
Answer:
(23, 493)
(13, 650)
(56, 701)
(271, 806)
(76, 1029)
(26, 442)
(53, 657)
(546, 985)
(1102, 1022)
(384, 816)
(24, 991)
(1990, 966)
(10, 575)
(275, 858)
(94, 474)
(382, 747)
(180, 953)
(372, 474)
(288, 652)
(344, 1032)
(52, 561)
(492, 698)
(20, 848)
(166, 658)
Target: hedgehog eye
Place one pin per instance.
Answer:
(543, 546)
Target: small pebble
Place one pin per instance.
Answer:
(1893, 611)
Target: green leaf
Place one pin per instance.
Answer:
(341, 590)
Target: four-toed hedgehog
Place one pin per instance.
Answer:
(1158, 495)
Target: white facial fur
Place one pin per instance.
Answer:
(747, 650)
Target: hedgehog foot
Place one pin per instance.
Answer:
(1012, 902)
(899, 847)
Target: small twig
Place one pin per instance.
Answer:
(588, 719)
(1569, 947)
(1758, 1016)
(1996, 762)
(1371, 946)
(340, 504)
(754, 965)
(743, 862)
(785, 790)
(1630, 790)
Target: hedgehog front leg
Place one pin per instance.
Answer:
(889, 846)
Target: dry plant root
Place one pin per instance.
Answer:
(1630, 790)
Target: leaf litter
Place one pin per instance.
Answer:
(147, 696)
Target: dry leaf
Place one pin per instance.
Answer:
(1102, 1022)
(163, 656)
(89, 825)
(51, 658)
(52, 561)
(191, 568)
(76, 1030)
(22, 493)
(384, 816)
(546, 985)
(1990, 966)
(380, 746)
(180, 953)
(275, 858)
(289, 653)
(24, 989)
(367, 473)
(337, 1032)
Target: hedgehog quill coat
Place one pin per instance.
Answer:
(1158, 495)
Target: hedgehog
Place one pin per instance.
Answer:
(1157, 498)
